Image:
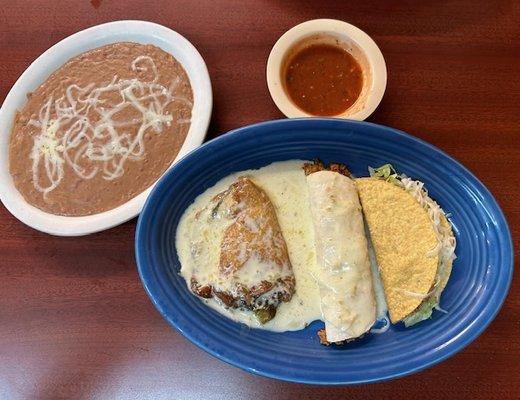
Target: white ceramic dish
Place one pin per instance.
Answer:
(354, 40)
(119, 31)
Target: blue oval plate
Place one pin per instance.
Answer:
(478, 286)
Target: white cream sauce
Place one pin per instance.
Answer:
(381, 307)
(285, 184)
(344, 276)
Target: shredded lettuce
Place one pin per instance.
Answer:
(445, 239)
(386, 172)
(424, 311)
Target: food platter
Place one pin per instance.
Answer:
(311, 250)
(120, 31)
(480, 279)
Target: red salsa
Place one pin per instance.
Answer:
(323, 79)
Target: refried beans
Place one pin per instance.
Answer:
(101, 129)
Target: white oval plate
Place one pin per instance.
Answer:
(99, 35)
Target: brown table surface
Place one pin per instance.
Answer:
(75, 321)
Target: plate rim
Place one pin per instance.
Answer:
(465, 339)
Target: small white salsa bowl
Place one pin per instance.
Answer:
(119, 31)
(354, 40)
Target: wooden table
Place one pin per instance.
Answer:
(75, 322)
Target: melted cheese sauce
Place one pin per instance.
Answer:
(381, 307)
(347, 298)
(285, 184)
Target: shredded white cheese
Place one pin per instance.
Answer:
(101, 145)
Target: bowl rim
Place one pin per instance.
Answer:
(468, 336)
(332, 27)
(112, 32)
